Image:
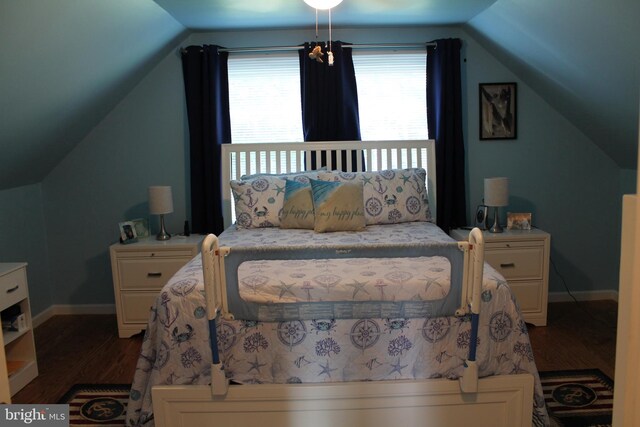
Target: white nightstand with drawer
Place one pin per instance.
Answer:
(522, 257)
(140, 270)
(18, 344)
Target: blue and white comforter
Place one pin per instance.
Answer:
(176, 349)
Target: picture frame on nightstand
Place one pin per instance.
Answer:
(127, 232)
(518, 221)
(141, 226)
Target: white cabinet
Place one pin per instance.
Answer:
(140, 270)
(18, 345)
(522, 257)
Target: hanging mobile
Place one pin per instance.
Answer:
(316, 53)
(330, 52)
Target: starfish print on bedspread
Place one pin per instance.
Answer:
(326, 369)
(397, 367)
(357, 287)
(284, 289)
(256, 365)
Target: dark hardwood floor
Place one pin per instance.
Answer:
(79, 349)
(86, 349)
(577, 336)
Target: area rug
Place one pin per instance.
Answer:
(578, 398)
(97, 404)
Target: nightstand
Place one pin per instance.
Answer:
(522, 257)
(140, 270)
(19, 349)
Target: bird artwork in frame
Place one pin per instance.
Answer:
(498, 111)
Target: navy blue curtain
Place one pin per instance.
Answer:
(206, 86)
(329, 98)
(444, 118)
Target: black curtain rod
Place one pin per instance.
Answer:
(352, 46)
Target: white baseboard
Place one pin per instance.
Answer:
(584, 296)
(64, 309)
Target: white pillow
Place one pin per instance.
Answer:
(258, 201)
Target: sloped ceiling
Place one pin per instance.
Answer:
(67, 63)
(581, 56)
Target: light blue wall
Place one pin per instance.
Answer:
(104, 181)
(23, 239)
(570, 186)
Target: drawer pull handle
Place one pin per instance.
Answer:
(15, 288)
(154, 274)
(508, 265)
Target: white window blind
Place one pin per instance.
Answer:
(265, 106)
(264, 98)
(392, 95)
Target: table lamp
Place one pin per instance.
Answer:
(161, 203)
(496, 194)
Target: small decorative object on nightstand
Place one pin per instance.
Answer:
(18, 349)
(522, 257)
(161, 203)
(140, 270)
(496, 194)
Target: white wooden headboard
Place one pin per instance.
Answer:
(273, 158)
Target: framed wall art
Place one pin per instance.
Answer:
(498, 112)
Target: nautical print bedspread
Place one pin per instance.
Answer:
(389, 235)
(347, 279)
(176, 349)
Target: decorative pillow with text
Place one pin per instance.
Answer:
(298, 206)
(337, 206)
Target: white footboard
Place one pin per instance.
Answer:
(500, 401)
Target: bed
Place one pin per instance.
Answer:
(304, 361)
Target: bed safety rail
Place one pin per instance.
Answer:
(215, 296)
(212, 291)
(471, 292)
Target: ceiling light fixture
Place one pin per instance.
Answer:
(323, 4)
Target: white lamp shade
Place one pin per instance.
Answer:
(160, 200)
(323, 4)
(496, 191)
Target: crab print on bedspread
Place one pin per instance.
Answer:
(175, 349)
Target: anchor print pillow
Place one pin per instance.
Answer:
(337, 206)
(390, 196)
(258, 201)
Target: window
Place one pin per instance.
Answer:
(392, 95)
(265, 106)
(264, 98)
